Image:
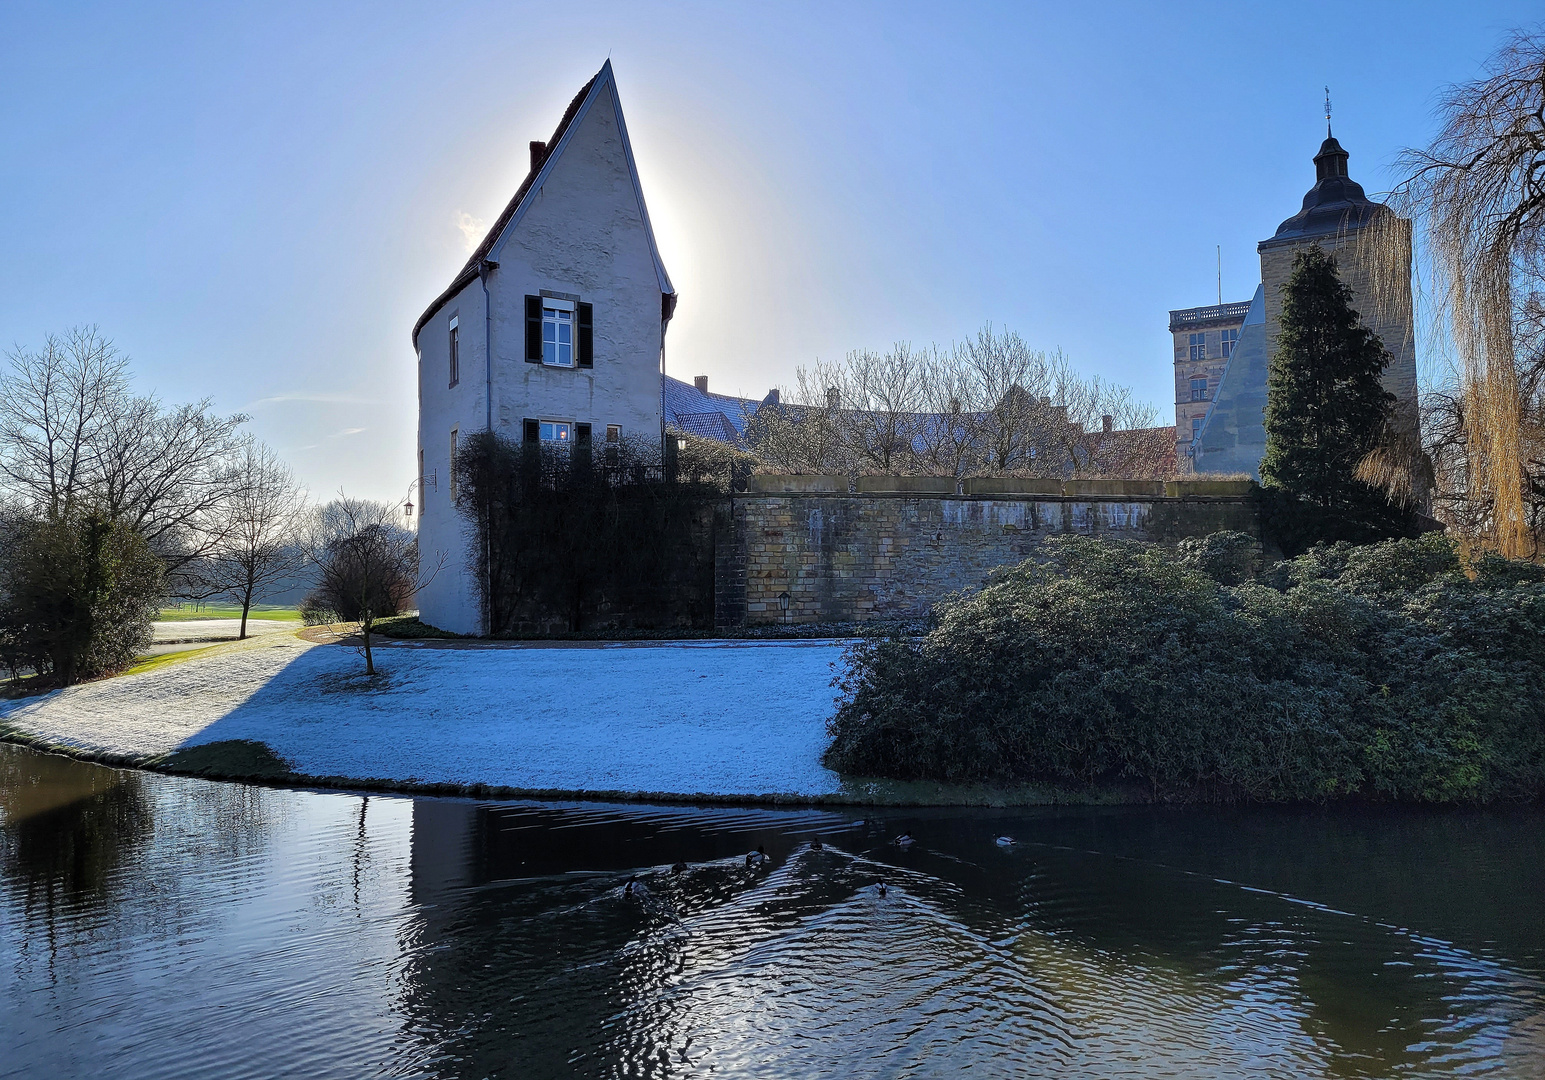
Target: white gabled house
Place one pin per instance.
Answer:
(553, 330)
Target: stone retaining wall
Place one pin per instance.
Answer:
(808, 555)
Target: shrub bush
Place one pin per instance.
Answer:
(1388, 671)
(77, 596)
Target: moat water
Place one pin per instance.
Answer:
(155, 926)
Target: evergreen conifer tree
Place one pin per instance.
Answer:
(1325, 410)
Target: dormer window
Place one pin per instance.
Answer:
(557, 332)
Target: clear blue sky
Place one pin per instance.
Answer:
(256, 201)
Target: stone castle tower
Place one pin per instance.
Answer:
(1230, 435)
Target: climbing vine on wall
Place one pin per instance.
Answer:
(578, 539)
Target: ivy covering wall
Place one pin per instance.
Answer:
(586, 538)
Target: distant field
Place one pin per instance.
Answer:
(227, 611)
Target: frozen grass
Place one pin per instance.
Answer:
(713, 718)
(190, 611)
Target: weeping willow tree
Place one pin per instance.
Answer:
(1477, 196)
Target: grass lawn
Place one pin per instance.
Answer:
(201, 610)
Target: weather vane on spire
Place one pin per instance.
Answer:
(1327, 112)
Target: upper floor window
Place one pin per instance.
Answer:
(557, 332)
(1198, 346)
(1229, 338)
(1198, 389)
(560, 331)
(454, 350)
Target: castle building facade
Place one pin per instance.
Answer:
(1205, 338)
(553, 331)
(1223, 354)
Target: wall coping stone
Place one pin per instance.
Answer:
(1012, 485)
(908, 485)
(1179, 489)
(1132, 488)
(794, 484)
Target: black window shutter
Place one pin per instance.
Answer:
(533, 431)
(586, 336)
(533, 329)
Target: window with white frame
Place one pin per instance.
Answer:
(557, 431)
(1198, 389)
(557, 332)
(1198, 346)
(454, 350)
(1229, 338)
(452, 472)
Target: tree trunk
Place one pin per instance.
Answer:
(246, 605)
(370, 666)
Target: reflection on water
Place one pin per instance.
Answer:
(155, 926)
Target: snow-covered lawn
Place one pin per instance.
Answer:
(721, 717)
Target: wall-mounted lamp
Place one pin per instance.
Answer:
(783, 600)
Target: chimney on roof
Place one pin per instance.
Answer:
(701, 382)
(833, 398)
(772, 397)
(1107, 422)
(538, 152)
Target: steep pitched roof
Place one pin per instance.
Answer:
(602, 81)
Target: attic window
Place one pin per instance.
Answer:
(557, 332)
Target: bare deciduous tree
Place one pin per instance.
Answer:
(805, 435)
(73, 435)
(55, 408)
(260, 545)
(988, 406)
(880, 400)
(366, 565)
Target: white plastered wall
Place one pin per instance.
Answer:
(582, 232)
(450, 601)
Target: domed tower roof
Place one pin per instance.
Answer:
(1335, 204)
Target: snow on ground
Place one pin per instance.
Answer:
(730, 717)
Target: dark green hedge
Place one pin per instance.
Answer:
(1386, 671)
